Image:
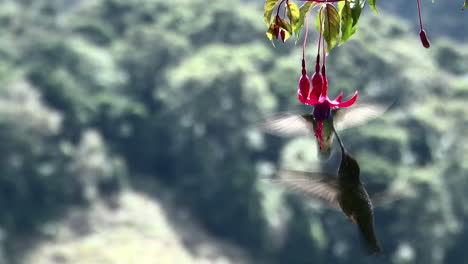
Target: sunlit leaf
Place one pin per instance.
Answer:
(373, 6)
(294, 17)
(346, 20)
(331, 30)
(271, 33)
(356, 9)
(268, 10)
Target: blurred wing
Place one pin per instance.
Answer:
(357, 114)
(289, 125)
(314, 185)
(388, 197)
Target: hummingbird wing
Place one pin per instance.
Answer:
(314, 185)
(356, 115)
(290, 125)
(389, 196)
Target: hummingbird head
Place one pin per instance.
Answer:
(349, 170)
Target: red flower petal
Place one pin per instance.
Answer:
(304, 87)
(300, 97)
(317, 85)
(350, 102)
(339, 98)
(311, 100)
(324, 98)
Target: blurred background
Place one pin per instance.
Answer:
(128, 135)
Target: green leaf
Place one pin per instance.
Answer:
(356, 10)
(331, 30)
(346, 20)
(294, 16)
(466, 5)
(270, 33)
(373, 6)
(268, 10)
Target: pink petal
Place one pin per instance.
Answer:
(350, 102)
(304, 86)
(300, 97)
(339, 98)
(317, 84)
(324, 98)
(312, 100)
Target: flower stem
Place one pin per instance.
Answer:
(304, 44)
(279, 7)
(321, 29)
(419, 13)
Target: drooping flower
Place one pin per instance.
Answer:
(323, 105)
(318, 96)
(304, 84)
(422, 33)
(424, 40)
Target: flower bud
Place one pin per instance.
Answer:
(317, 85)
(304, 88)
(283, 35)
(424, 40)
(276, 31)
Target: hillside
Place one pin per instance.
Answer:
(130, 228)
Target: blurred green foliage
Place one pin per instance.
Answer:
(99, 95)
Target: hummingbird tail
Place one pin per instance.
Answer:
(370, 240)
(374, 249)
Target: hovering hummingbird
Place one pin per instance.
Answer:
(300, 125)
(345, 192)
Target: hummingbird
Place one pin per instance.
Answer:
(289, 124)
(343, 191)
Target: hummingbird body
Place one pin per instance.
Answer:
(345, 192)
(356, 203)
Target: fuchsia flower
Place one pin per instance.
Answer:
(318, 97)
